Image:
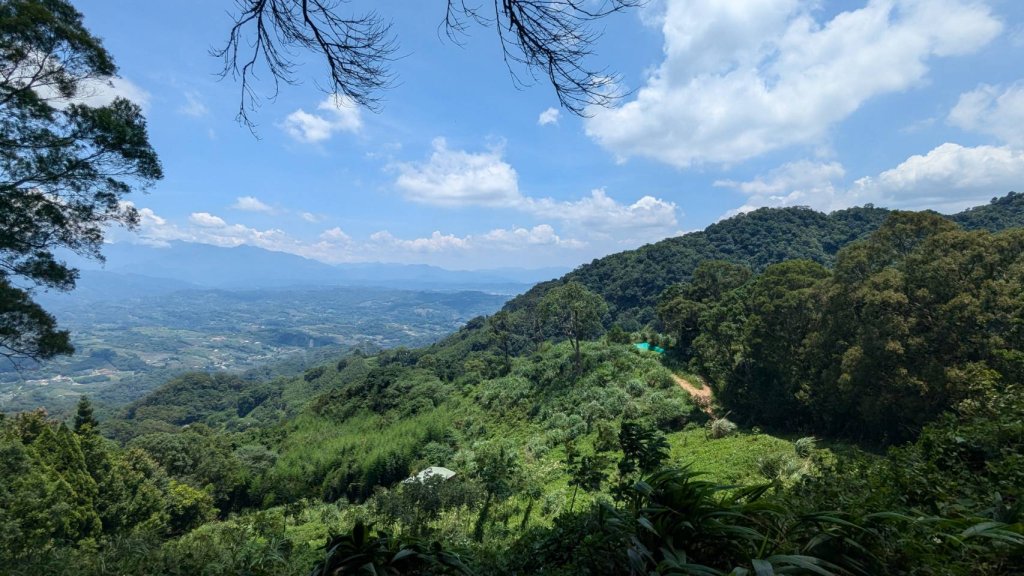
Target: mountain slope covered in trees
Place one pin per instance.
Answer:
(577, 453)
(632, 281)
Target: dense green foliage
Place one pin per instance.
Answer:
(576, 453)
(60, 487)
(915, 320)
(999, 214)
(64, 165)
(631, 282)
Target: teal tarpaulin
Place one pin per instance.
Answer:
(647, 346)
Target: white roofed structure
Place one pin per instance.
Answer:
(433, 471)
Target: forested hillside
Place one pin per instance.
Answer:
(576, 452)
(632, 281)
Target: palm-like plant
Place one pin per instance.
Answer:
(694, 527)
(366, 551)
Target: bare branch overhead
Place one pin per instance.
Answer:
(356, 48)
(551, 39)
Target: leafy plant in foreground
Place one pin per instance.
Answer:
(364, 550)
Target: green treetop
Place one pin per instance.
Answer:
(65, 166)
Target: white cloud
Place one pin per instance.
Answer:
(251, 204)
(801, 183)
(340, 114)
(91, 91)
(456, 178)
(193, 106)
(459, 178)
(1017, 36)
(549, 116)
(601, 213)
(742, 78)
(992, 110)
(948, 178)
(516, 237)
(207, 220)
(205, 228)
(335, 235)
(436, 242)
(540, 245)
(311, 217)
(100, 93)
(508, 239)
(652, 13)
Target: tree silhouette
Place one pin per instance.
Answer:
(550, 38)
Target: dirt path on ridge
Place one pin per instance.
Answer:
(701, 396)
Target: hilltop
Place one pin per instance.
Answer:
(632, 281)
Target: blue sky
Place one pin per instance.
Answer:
(732, 106)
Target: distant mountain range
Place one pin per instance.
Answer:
(133, 269)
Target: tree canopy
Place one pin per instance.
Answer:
(573, 312)
(65, 166)
(919, 318)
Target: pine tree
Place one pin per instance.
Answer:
(85, 422)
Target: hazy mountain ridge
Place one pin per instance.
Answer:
(249, 267)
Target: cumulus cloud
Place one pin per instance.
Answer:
(549, 116)
(601, 213)
(800, 183)
(207, 220)
(335, 235)
(335, 114)
(743, 78)
(540, 235)
(508, 239)
(251, 204)
(101, 93)
(948, 178)
(540, 245)
(206, 228)
(992, 110)
(436, 242)
(90, 91)
(456, 178)
(459, 178)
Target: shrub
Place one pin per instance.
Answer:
(313, 373)
(721, 427)
(636, 387)
(804, 446)
(778, 467)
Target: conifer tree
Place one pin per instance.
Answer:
(85, 421)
